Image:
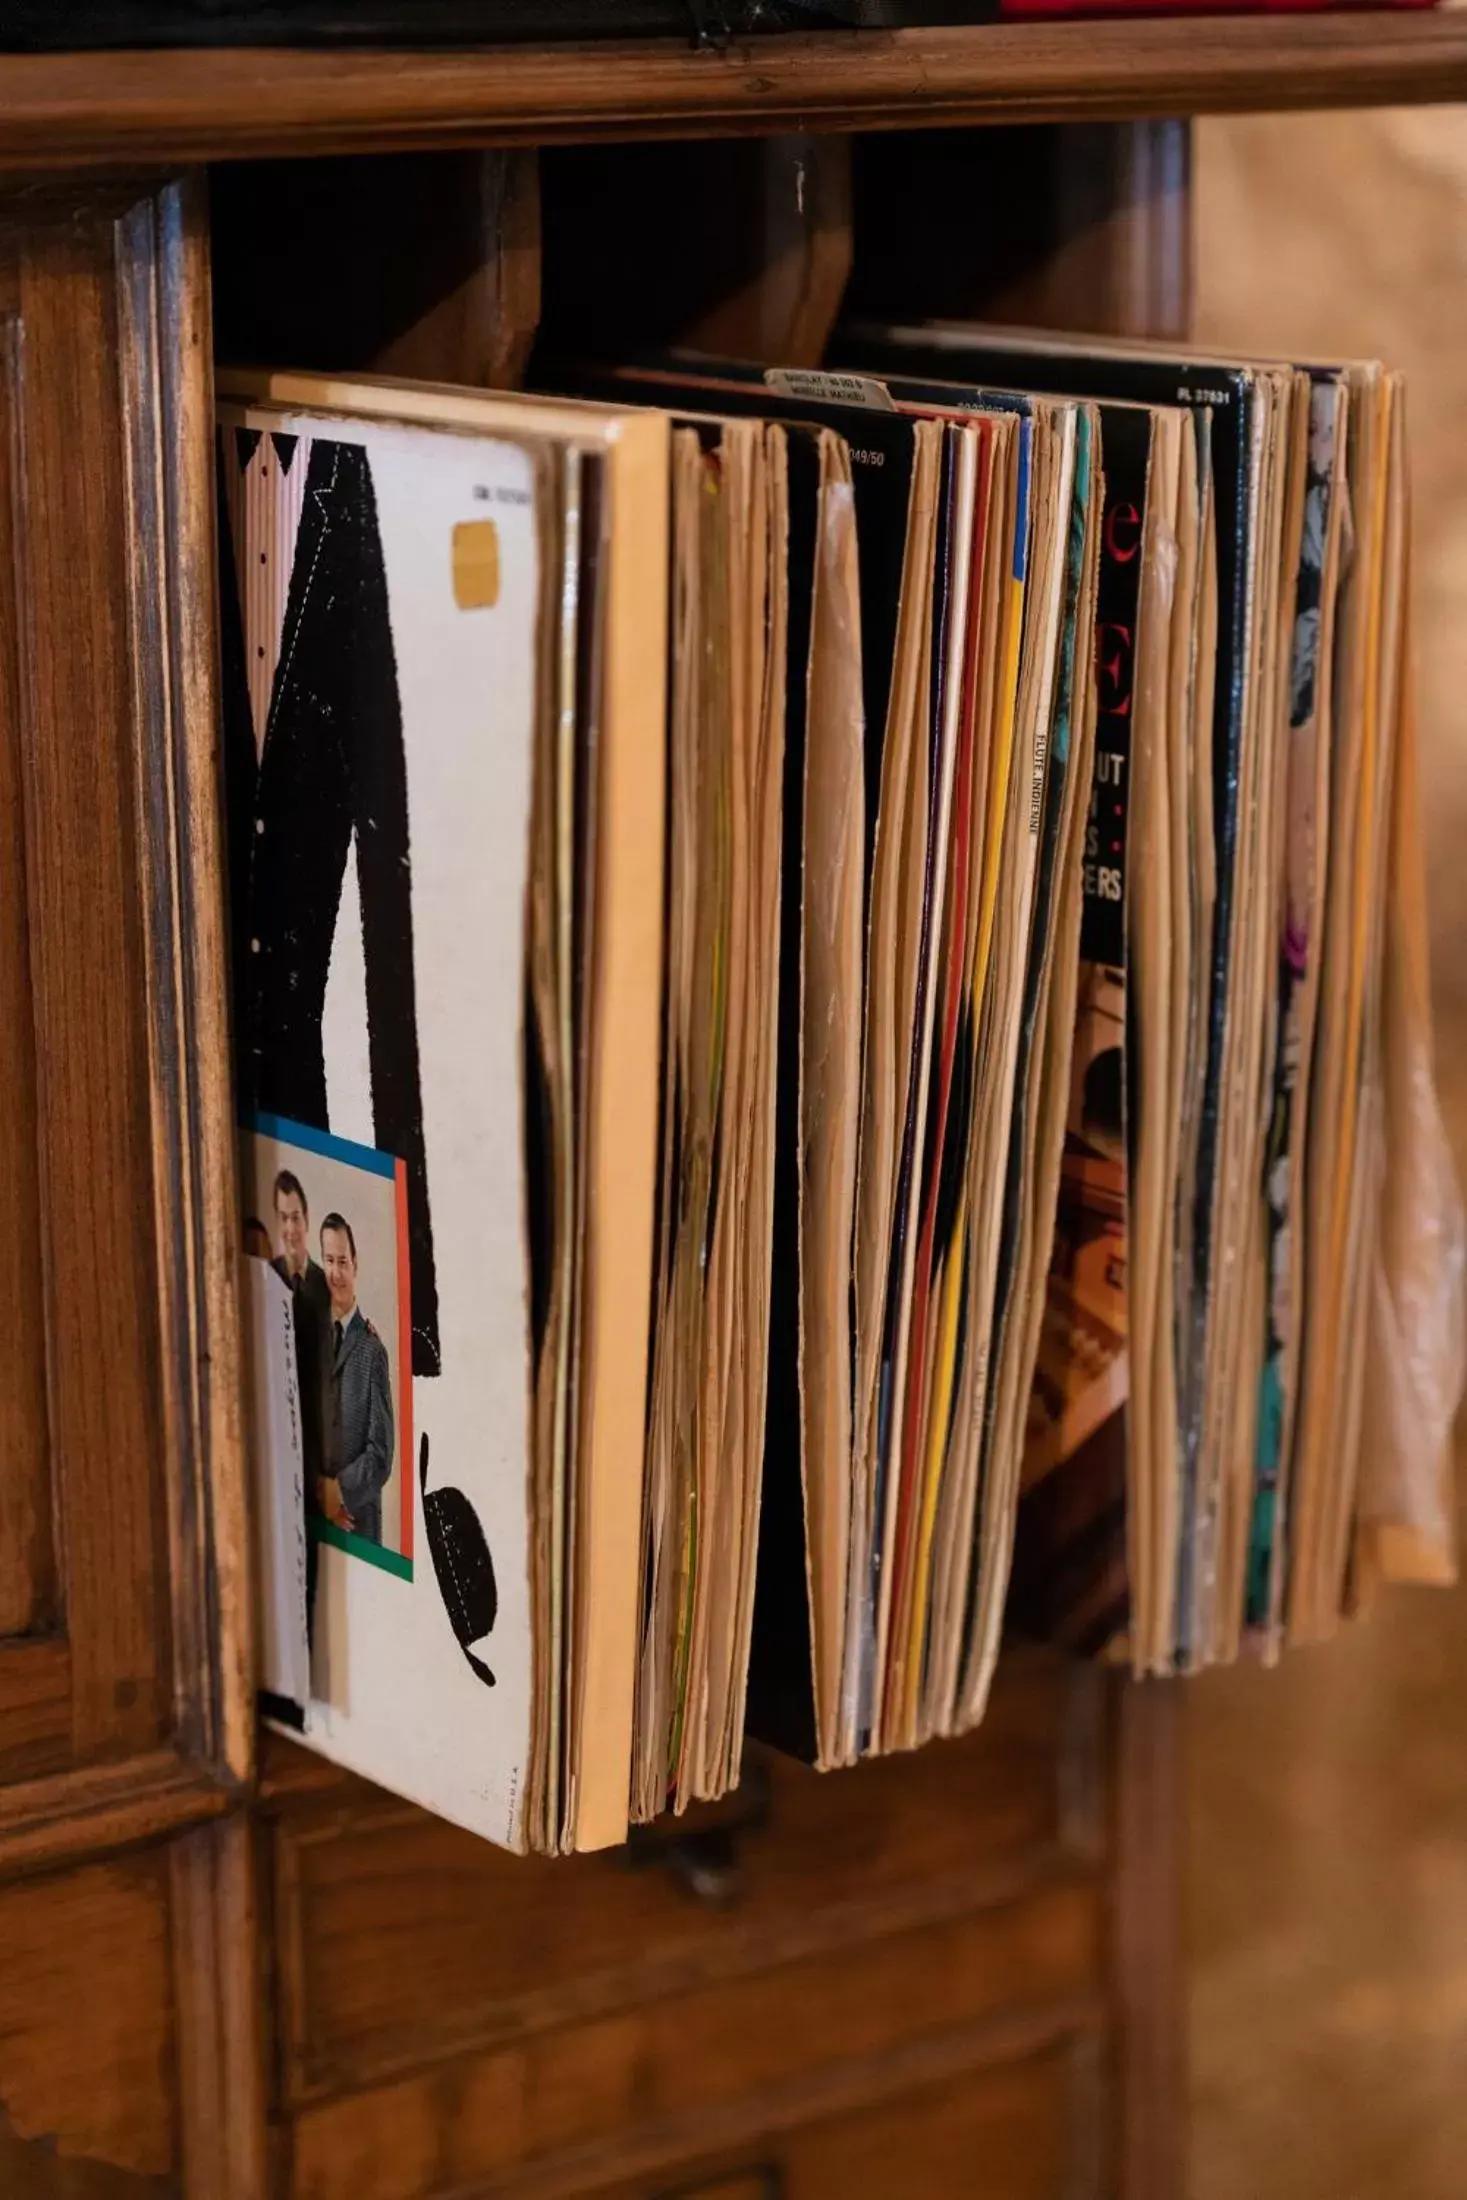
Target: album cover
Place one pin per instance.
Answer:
(381, 589)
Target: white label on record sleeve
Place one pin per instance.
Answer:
(280, 1503)
(830, 389)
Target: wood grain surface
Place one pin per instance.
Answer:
(756, 2055)
(220, 2039)
(86, 2076)
(125, 1576)
(469, 1946)
(166, 399)
(68, 109)
(915, 2128)
(28, 1583)
(426, 266)
(1147, 1950)
(86, 959)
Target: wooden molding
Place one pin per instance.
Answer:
(844, 2088)
(93, 1809)
(96, 1280)
(29, 1581)
(221, 2048)
(167, 413)
(106, 527)
(179, 106)
(1083, 1767)
(311, 2071)
(1151, 2008)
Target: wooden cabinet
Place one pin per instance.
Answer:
(237, 1975)
(921, 1956)
(452, 2019)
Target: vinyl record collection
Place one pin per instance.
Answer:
(898, 1016)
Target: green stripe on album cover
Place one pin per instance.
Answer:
(376, 1554)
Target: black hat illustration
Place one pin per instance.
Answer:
(462, 1563)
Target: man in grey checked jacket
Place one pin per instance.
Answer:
(361, 1422)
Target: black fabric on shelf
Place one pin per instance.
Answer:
(33, 26)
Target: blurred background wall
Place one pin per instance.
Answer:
(1328, 1800)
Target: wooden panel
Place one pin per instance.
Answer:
(926, 2124)
(1151, 2029)
(130, 2063)
(35, 1706)
(665, 2068)
(91, 1808)
(86, 961)
(35, 2173)
(401, 1940)
(220, 2040)
(425, 267)
(173, 106)
(120, 1368)
(27, 1548)
(740, 248)
(87, 2101)
(1096, 231)
(165, 397)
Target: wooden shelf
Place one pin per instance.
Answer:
(60, 110)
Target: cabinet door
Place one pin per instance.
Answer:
(123, 1590)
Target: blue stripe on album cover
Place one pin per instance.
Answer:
(313, 1141)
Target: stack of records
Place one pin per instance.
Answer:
(938, 873)
(1284, 1196)
(833, 1045)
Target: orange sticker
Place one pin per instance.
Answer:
(476, 565)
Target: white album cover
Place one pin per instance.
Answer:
(380, 712)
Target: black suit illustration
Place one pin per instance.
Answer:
(361, 1425)
(311, 1314)
(331, 766)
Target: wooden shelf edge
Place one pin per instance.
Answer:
(68, 110)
